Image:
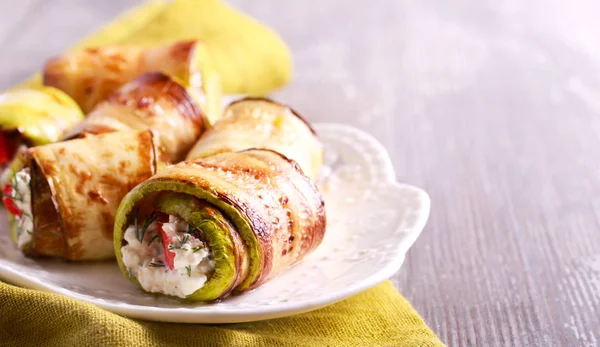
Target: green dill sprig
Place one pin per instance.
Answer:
(13, 184)
(152, 239)
(139, 233)
(186, 238)
(189, 270)
(196, 249)
(157, 264)
(16, 194)
(12, 197)
(181, 241)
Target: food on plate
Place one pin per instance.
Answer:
(33, 117)
(91, 75)
(202, 229)
(151, 101)
(263, 123)
(62, 197)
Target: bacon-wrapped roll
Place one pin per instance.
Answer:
(200, 230)
(263, 123)
(62, 198)
(91, 75)
(151, 101)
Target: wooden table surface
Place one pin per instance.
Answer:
(492, 107)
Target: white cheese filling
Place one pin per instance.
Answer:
(21, 195)
(192, 265)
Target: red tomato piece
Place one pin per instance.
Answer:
(5, 149)
(166, 240)
(8, 146)
(11, 207)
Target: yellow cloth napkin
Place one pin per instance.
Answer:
(250, 57)
(378, 317)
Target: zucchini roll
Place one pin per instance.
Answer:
(200, 230)
(33, 117)
(62, 197)
(263, 123)
(151, 101)
(91, 75)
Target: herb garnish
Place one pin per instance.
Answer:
(12, 197)
(186, 237)
(196, 249)
(13, 183)
(152, 239)
(157, 264)
(139, 233)
(15, 195)
(189, 270)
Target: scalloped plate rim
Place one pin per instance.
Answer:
(219, 316)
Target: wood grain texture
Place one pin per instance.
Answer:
(492, 107)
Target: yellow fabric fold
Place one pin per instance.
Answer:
(377, 317)
(250, 57)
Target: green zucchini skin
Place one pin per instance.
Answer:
(76, 188)
(259, 213)
(230, 256)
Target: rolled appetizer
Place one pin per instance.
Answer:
(91, 75)
(33, 117)
(151, 101)
(263, 123)
(62, 198)
(200, 230)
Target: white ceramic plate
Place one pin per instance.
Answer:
(371, 222)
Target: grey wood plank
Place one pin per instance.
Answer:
(12, 16)
(50, 27)
(492, 107)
